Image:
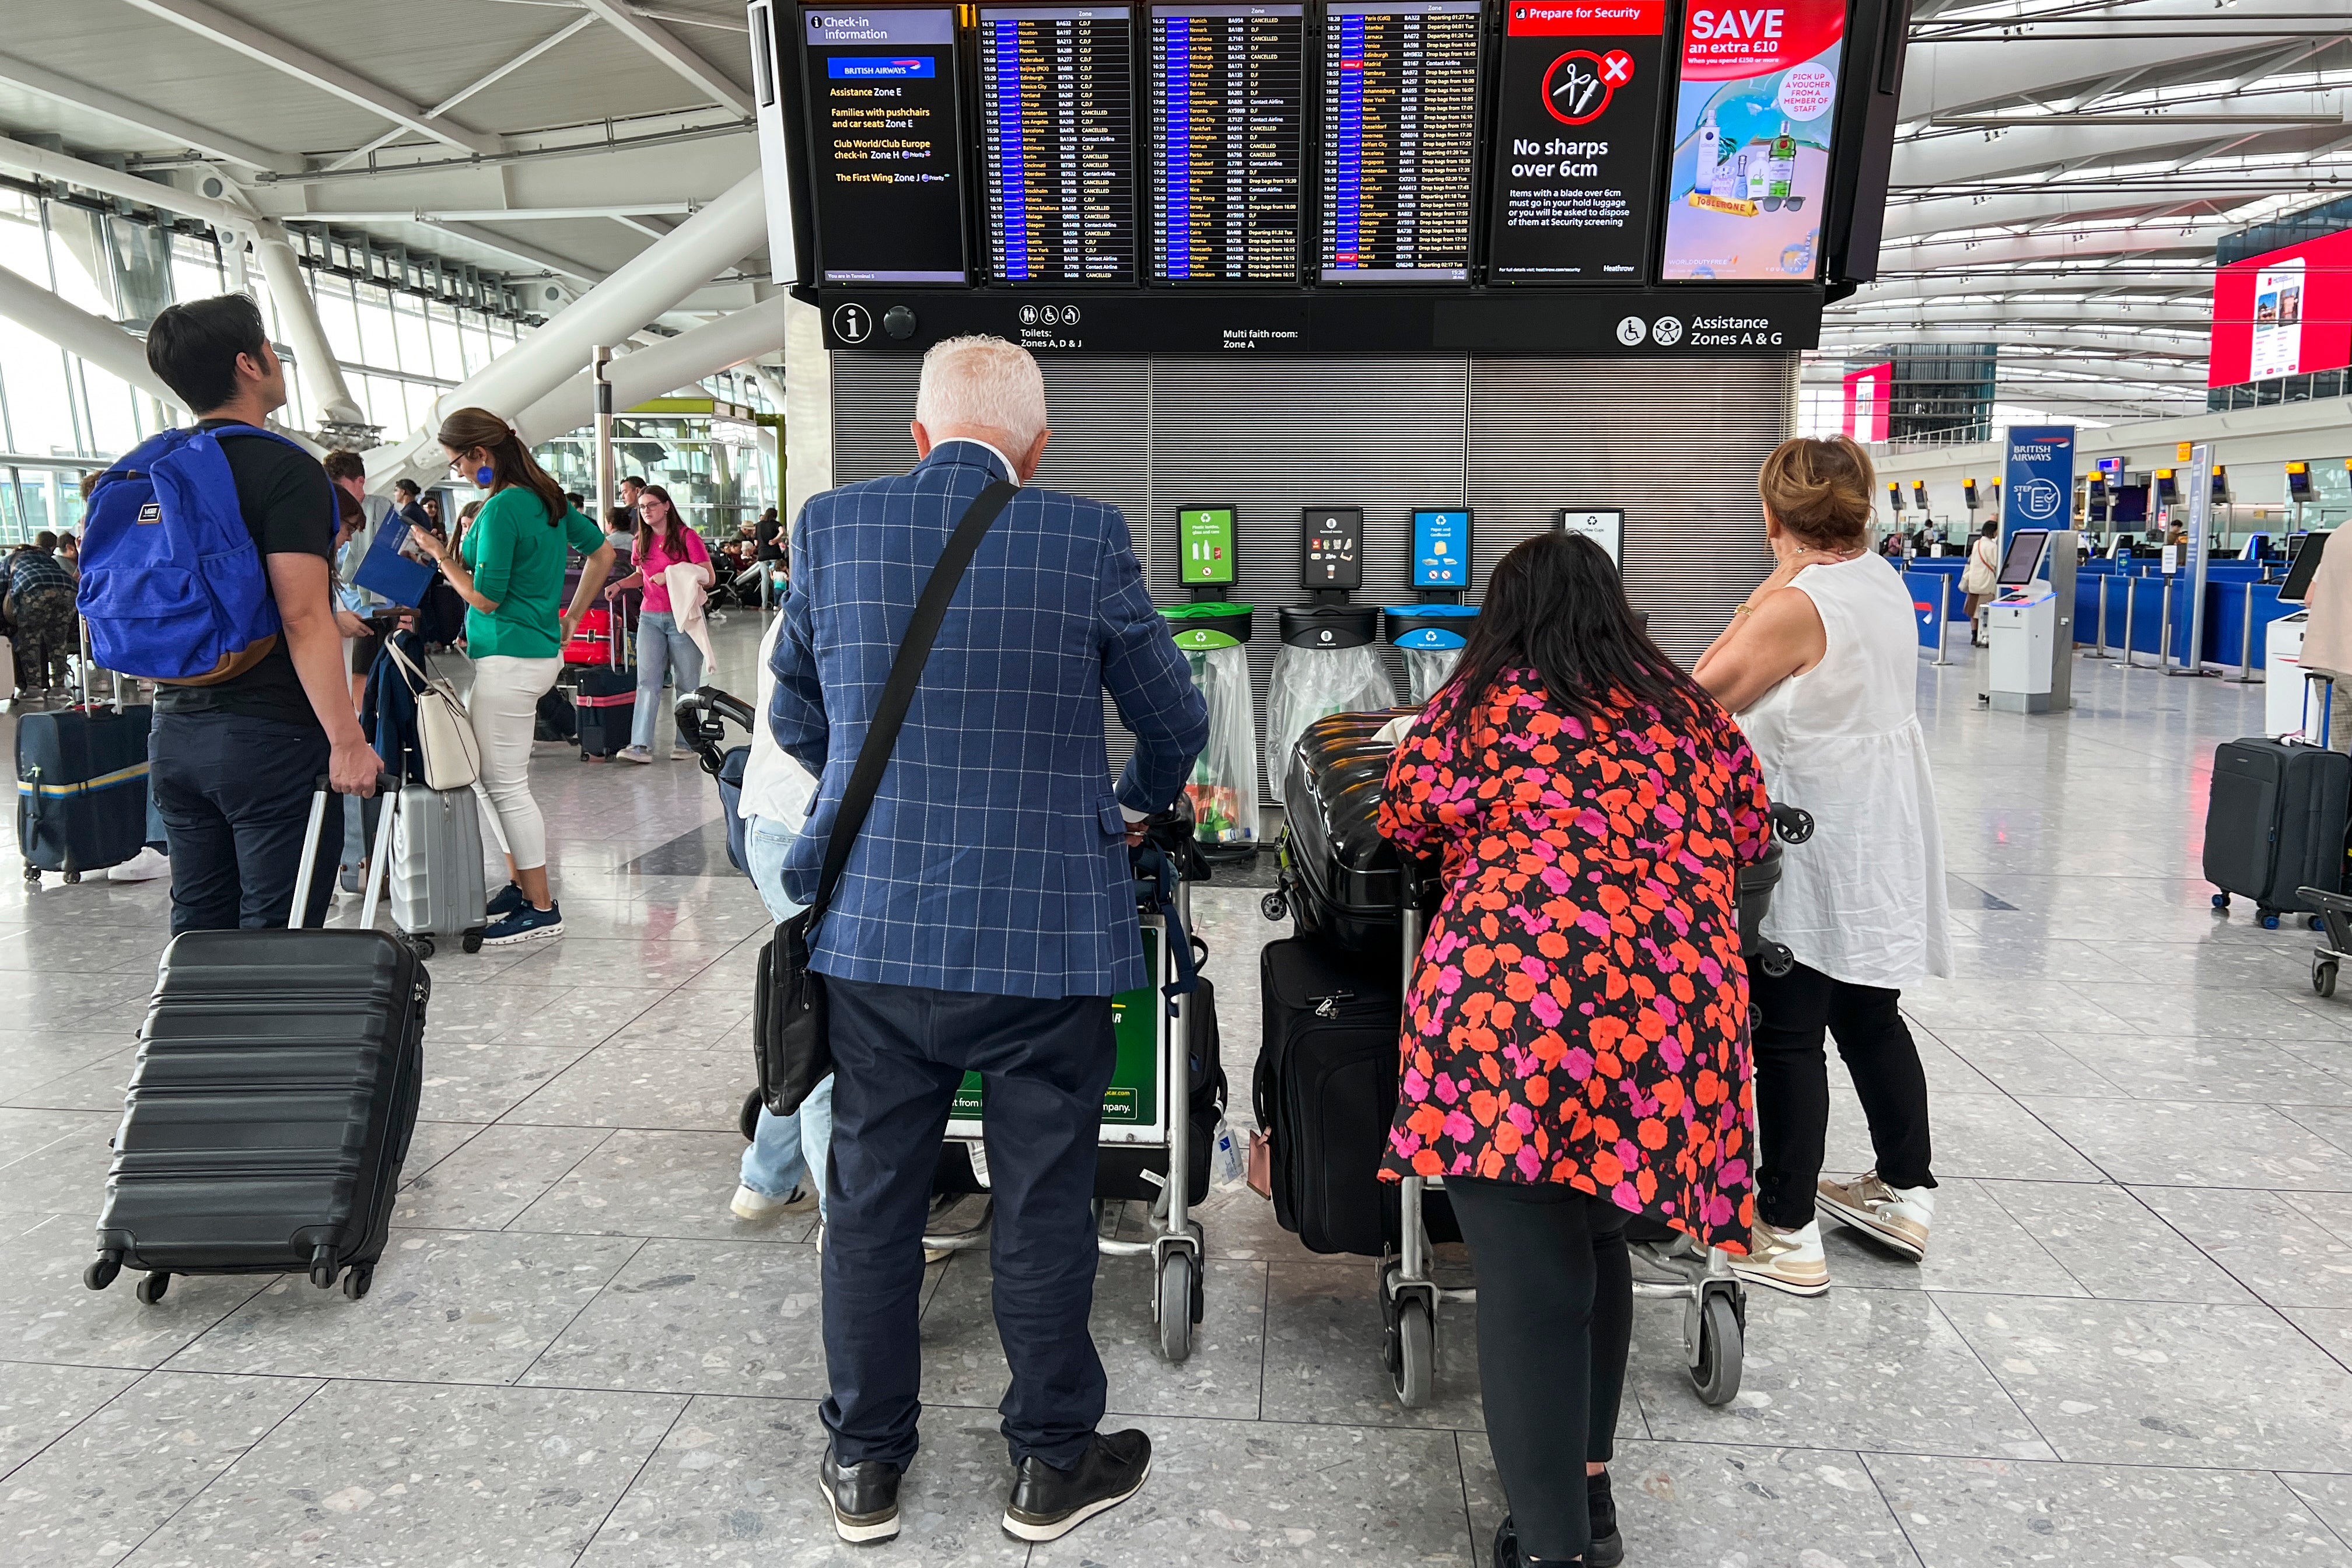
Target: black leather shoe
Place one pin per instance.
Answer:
(1507, 1552)
(864, 1499)
(1608, 1548)
(1048, 1503)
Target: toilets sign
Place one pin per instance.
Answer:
(2038, 480)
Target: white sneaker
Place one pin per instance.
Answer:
(1788, 1260)
(749, 1205)
(1898, 1216)
(634, 754)
(144, 867)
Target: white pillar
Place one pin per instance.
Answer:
(298, 318)
(653, 281)
(808, 409)
(76, 331)
(663, 367)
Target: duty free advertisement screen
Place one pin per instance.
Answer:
(2288, 313)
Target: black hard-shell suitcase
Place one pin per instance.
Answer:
(1340, 878)
(272, 1104)
(82, 788)
(1325, 1093)
(2275, 822)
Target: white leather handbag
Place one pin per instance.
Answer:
(445, 735)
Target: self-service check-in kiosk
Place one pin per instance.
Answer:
(2030, 625)
(2283, 699)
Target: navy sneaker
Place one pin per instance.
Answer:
(504, 902)
(526, 924)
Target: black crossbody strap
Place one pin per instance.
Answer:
(898, 693)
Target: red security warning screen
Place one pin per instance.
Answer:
(2286, 312)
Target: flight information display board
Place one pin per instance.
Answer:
(885, 145)
(1399, 140)
(1576, 141)
(1228, 119)
(1057, 140)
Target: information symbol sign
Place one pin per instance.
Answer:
(852, 323)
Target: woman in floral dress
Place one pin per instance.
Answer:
(1575, 1048)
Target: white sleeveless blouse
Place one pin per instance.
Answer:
(1863, 900)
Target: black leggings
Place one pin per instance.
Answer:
(1792, 1086)
(1555, 1316)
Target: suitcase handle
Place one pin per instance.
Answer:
(387, 787)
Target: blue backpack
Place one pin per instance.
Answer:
(172, 583)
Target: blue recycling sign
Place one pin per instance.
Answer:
(2037, 487)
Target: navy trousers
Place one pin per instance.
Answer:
(235, 795)
(899, 1053)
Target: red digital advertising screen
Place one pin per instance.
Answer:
(2286, 312)
(1869, 394)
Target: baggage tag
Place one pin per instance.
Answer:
(977, 1151)
(1229, 1163)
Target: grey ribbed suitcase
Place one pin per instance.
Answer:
(436, 883)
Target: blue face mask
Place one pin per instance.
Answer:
(483, 476)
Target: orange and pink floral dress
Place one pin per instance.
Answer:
(1579, 1012)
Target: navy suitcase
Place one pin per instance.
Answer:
(604, 707)
(82, 788)
(2275, 822)
(272, 1102)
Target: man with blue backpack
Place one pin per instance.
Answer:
(207, 568)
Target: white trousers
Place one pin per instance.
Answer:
(504, 707)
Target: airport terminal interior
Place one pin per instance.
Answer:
(1338, 301)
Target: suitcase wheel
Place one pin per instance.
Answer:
(2270, 919)
(102, 1270)
(2220, 900)
(322, 1268)
(71, 878)
(1777, 961)
(151, 1286)
(472, 941)
(32, 872)
(1273, 906)
(357, 1279)
(421, 944)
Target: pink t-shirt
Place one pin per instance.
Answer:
(661, 556)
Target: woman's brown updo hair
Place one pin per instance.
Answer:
(1819, 489)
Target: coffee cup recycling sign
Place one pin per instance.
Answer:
(1605, 528)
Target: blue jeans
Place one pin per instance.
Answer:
(235, 794)
(660, 646)
(786, 1147)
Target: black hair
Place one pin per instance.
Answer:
(636, 479)
(575, 498)
(1989, 530)
(406, 488)
(1555, 605)
(194, 348)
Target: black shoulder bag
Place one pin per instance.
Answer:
(788, 1015)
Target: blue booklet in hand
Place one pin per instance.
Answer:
(395, 568)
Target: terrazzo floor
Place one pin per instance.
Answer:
(2132, 1343)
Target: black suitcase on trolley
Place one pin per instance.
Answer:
(1340, 878)
(2275, 822)
(271, 1106)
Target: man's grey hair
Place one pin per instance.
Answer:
(985, 380)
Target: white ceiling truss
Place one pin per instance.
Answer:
(2064, 169)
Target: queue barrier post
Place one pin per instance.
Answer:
(2164, 630)
(2099, 641)
(2245, 675)
(2131, 618)
(1942, 619)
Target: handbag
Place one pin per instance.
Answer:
(446, 749)
(789, 1044)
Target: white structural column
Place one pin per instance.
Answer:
(808, 408)
(653, 281)
(665, 366)
(77, 332)
(298, 318)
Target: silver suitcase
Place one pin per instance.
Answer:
(438, 888)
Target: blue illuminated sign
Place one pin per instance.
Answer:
(2037, 487)
(1441, 549)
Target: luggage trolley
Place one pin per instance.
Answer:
(1147, 1111)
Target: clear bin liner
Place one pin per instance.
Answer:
(1310, 683)
(1223, 786)
(1425, 670)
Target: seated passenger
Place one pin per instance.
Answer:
(1818, 666)
(1575, 1046)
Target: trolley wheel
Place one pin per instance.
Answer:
(1722, 1351)
(71, 878)
(1175, 1305)
(357, 1279)
(471, 941)
(747, 1120)
(2323, 976)
(151, 1286)
(1412, 1361)
(2222, 900)
(102, 1270)
(1273, 906)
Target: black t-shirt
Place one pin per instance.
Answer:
(289, 508)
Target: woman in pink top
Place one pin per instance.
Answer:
(663, 542)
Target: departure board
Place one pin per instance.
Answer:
(1228, 111)
(1399, 134)
(886, 165)
(1057, 140)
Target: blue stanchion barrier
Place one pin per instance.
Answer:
(1929, 590)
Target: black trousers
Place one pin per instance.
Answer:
(898, 1054)
(1555, 1317)
(1792, 1086)
(235, 794)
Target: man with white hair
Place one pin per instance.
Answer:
(985, 917)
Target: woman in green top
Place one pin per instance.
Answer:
(510, 571)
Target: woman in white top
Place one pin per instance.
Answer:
(1981, 575)
(1818, 664)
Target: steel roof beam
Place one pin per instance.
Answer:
(146, 116)
(291, 60)
(360, 154)
(655, 40)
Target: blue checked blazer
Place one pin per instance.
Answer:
(994, 858)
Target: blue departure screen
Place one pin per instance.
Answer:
(1399, 129)
(1227, 108)
(1056, 97)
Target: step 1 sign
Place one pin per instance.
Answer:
(1576, 141)
(2038, 477)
